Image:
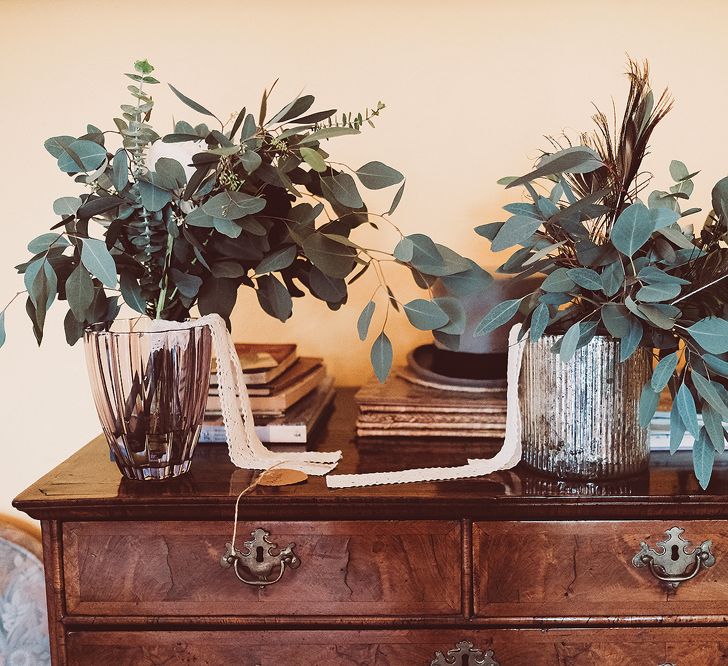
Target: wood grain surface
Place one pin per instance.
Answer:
(600, 647)
(88, 486)
(347, 568)
(567, 569)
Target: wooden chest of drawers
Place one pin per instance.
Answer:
(530, 571)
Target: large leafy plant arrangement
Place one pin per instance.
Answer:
(618, 263)
(173, 222)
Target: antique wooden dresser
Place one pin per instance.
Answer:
(527, 570)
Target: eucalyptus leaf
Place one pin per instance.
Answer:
(365, 319)
(630, 342)
(711, 333)
(404, 250)
(120, 170)
(497, 316)
(233, 205)
(558, 281)
(131, 293)
(616, 319)
(713, 424)
(677, 428)
(678, 170)
(326, 288)
(464, 283)
(250, 160)
(663, 371)
(654, 293)
(686, 408)
(313, 158)
(539, 321)
(45, 241)
(516, 230)
(278, 260)
(660, 315)
(73, 328)
(98, 261)
(396, 200)
(632, 229)
(57, 145)
(663, 217)
(153, 198)
(187, 284)
(648, 405)
(79, 292)
(375, 175)
(66, 206)
(654, 275)
(191, 103)
(381, 357)
(81, 155)
(489, 230)
(709, 394)
(326, 133)
(612, 278)
(716, 364)
(586, 278)
(455, 312)
(578, 159)
(569, 342)
(332, 258)
(342, 188)
(227, 269)
(295, 108)
(274, 298)
(198, 218)
(229, 228)
(425, 315)
(703, 458)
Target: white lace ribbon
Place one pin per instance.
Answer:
(245, 448)
(508, 456)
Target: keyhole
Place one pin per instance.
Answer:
(466, 660)
(675, 555)
(259, 554)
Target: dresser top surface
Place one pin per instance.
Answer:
(88, 486)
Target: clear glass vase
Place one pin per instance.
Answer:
(150, 388)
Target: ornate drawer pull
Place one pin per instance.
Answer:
(671, 563)
(464, 653)
(258, 558)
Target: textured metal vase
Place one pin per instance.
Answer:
(581, 418)
(150, 388)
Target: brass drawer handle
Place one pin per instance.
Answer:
(465, 653)
(671, 563)
(258, 558)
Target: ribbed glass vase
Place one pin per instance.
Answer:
(580, 419)
(150, 388)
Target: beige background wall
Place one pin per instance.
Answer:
(470, 89)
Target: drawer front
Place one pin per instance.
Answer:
(584, 569)
(598, 647)
(346, 568)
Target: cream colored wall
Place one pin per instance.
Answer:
(470, 88)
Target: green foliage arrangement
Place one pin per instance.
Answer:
(619, 266)
(256, 202)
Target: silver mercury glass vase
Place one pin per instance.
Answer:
(150, 388)
(580, 419)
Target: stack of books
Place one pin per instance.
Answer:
(403, 408)
(289, 394)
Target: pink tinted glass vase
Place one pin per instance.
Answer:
(150, 388)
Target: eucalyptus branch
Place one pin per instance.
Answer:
(10, 302)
